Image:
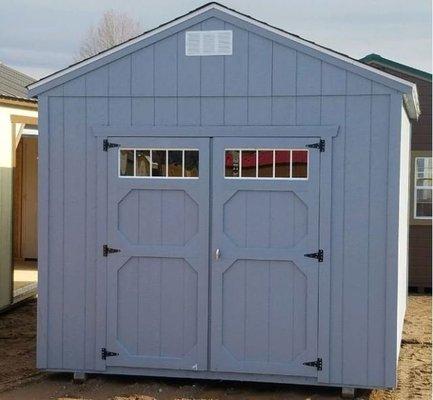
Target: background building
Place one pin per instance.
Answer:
(420, 236)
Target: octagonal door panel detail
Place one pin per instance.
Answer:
(264, 290)
(152, 224)
(157, 307)
(281, 215)
(271, 295)
(157, 284)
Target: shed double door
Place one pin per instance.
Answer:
(244, 302)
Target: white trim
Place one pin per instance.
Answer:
(416, 188)
(410, 86)
(150, 150)
(273, 177)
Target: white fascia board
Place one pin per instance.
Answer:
(411, 103)
(393, 81)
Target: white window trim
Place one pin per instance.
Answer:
(267, 178)
(135, 176)
(415, 190)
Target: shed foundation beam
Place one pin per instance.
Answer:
(80, 377)
(347, 393)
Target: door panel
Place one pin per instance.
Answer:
(158, 282)
(264, 290)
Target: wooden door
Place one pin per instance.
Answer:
(158, 217)
(265, 218)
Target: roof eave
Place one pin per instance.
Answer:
(18, 101)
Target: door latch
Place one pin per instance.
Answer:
(217, 254)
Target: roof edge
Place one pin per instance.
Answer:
(18, 101)
(387, 79)
(386, 62)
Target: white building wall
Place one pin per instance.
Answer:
(8, 132)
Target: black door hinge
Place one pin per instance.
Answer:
(105, 353)
(318, 255)
(108, 145)
(320, 145)
(108, 250)
(317, 364)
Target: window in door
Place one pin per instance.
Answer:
(266, 164)
(423, 188)
(159, 163)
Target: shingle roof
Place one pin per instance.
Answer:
(13, 83)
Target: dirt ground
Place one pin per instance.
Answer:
(19, 380)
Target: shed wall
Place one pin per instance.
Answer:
(263, 83)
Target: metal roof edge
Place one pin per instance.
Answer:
(385, 62)
(387, 79)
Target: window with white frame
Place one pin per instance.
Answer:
(159, 163)
(266, 164)
(423, 188)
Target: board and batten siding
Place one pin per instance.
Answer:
(263, 83)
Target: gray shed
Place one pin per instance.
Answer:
(222, 199)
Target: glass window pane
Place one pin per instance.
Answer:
(420, 166)
(158, 163)
(175, 163)
(266, 163)
(126, 162)
(424, 182)
(142, 161)
(282, 164)
(248, 164)
(424, 202)
(232, 163)
(300, 164)
(191, 164)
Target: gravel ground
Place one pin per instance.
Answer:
(19, 378)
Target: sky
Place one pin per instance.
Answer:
(39, 37)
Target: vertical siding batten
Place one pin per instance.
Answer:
(43, 232)
(392, 239)
(74, 231)
(96, 112)
(334, 111)
(212, 81)
(356, 236)
(56, 233)
(377, 235)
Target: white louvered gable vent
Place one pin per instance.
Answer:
(209, 43)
